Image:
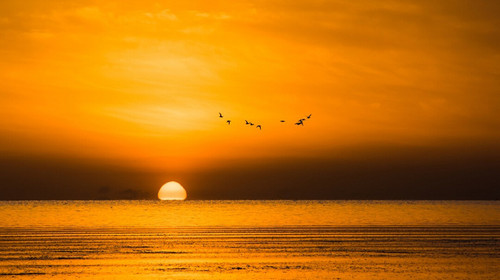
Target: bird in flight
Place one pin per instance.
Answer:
(299, 123)
(220, 115)
(228, 121)
(259, 127)
(309, 116)
(282, 121)
(246, 122)
(251, 123)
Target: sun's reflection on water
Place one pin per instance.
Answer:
(249, 240)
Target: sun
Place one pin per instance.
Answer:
(172, 191)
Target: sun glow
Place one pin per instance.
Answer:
(172, 191)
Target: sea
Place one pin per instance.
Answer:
(275, 239)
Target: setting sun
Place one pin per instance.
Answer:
(172, 191)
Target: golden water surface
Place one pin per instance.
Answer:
(250, 240)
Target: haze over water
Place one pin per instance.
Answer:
(250, 240)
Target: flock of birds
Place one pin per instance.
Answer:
(299, 122)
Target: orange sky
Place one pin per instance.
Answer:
(142, 83)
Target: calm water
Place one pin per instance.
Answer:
(250, 240)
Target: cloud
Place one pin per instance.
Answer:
(163, 15)
(216, 15)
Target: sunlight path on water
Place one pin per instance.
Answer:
(249, 240)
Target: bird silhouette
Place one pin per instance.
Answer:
(299, 122)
